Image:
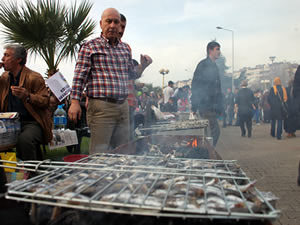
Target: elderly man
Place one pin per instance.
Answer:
(105, 66)
(24, 91)
(207, 96)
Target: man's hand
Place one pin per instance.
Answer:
(145, 61)
(20, 92)
(74, 112)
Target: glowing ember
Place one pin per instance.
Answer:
(195, 143)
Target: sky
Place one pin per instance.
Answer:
(174, 33)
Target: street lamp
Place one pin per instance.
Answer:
(265, 82)
(222, 28)
(272, 58)
(163, 72)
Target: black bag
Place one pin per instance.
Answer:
(284, 107)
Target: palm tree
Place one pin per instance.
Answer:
(48, 29)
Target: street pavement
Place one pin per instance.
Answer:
(273, 163)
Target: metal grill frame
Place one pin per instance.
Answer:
(177, 125)
(70, 170)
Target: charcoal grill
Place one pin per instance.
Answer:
(146, 186)
(186, 146)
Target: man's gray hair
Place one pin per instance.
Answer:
(244, 83)
(19, 52)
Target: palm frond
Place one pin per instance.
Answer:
(48, 29)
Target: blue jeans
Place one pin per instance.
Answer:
(279, 128)
(256, 115)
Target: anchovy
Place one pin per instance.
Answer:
(242, 188)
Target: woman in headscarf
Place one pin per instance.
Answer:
(277, 95)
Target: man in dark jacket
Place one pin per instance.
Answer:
(245, 105)
(206, 90)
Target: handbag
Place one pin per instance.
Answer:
(284, 107)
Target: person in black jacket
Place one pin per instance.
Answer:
(206, 90)
(296, 94)
(229, 106)
(277, 95)
(290, 123)
(245, 105)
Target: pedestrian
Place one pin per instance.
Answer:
(290, 123)
(256, 110)
(276, 99)
(296, 94)
(265, 106)
(104, 66)
(206, 90)
(245, 106)
(168, 91)
(229, 106)
(237, 120)
(24, 91)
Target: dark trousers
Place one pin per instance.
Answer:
(213, 125)
(266, 116)
(279, 128)
(248, 121)
(230, 116)
(224, 119)
(28, 143)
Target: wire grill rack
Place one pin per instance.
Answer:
(145, 185)
(178, 125)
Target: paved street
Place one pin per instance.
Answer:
(273, 163)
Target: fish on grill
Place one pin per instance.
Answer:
(137, 184)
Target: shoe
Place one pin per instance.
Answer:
(249, 135)
(278, 138)
(272, 135)
(289, 135)
(243, 135)
(258, 124)
(293, 135)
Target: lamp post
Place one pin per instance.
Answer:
(163, 72)
(232, 32)
(272, 58)
(265, 82)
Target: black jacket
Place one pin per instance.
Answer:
(296, 91)
(244, 100)
(275, 103)
(206, 88)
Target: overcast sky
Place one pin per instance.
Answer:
(175, 33)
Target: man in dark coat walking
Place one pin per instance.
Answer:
(245, 105)
(206, 90)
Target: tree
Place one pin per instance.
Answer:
(225, 80)
(48, 29)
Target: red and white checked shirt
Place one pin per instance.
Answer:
(104, 69)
